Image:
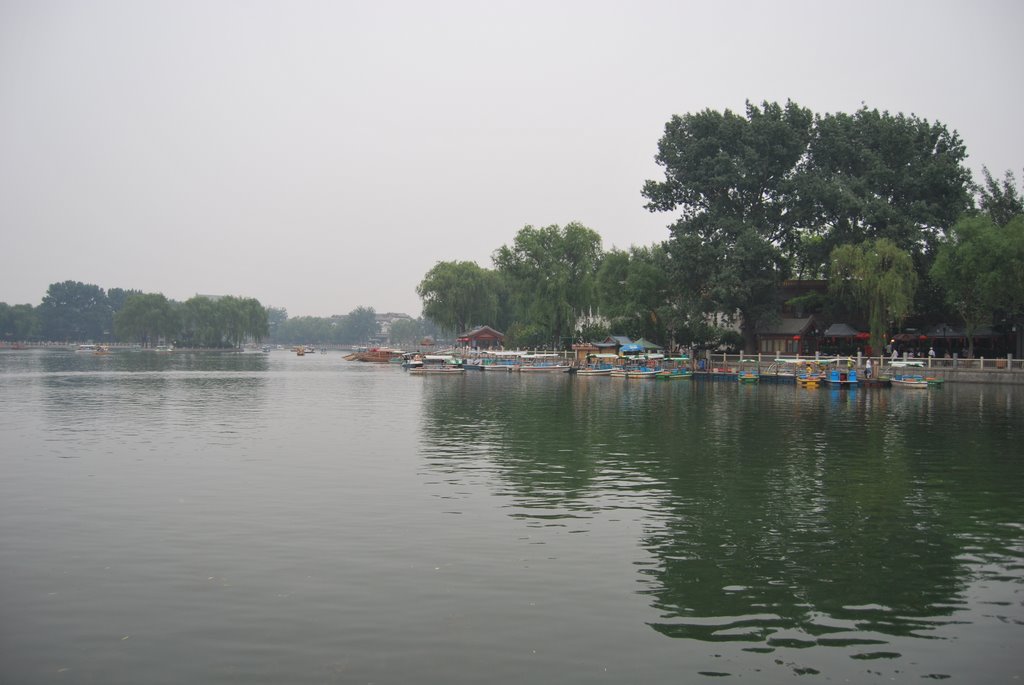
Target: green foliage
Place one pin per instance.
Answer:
(872, 175)
(357, 327)
(361, 324)
(981, 269)
(146, 317)
(732, 178)
(18, 322)
(550, 275)
(458, 295)
(405, 332)
(73, 310)
(224, 322)
(878, 277)
(634, 292)
(527, 336)
(1000, 201)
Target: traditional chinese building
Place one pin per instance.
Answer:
(482, 338)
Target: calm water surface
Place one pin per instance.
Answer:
(225, 518)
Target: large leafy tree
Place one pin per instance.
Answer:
(878, 277)
(732, 178)
(73, 310)
(457, 295)
(550, 273)
(981, 269)
(871, 175)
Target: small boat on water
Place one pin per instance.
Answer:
(675, 369)
(551, 363)
(748, 376)
(909, 381)
(101, 350)
(378, 355)
(838, 376)
(437, 364)
(808, 380)
(596, 370)
(596, 365)
(88, 349)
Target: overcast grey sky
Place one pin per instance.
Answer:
(324, 155)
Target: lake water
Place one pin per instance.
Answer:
(250, 518)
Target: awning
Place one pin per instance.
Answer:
(840, 330)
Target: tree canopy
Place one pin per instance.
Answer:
(879, 277)
(981, 269)
(550, 275)
(732, 178)
(457, 295)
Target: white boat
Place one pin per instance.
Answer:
(437, 364)
(551, 363)
(86, 348)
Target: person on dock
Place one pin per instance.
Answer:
(867, 369)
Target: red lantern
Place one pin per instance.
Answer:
(796, 337)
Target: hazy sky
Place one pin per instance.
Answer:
(324, 155)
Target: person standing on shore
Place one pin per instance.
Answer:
(867, 369)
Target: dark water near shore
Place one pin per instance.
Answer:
(226, 518)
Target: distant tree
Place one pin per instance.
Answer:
(362, 324)
(145, 318)
(116, 298)
(1001, 201)
(18, 322)
(877, 276)
(457, 295)
(981, 269)
(550, 275)
(73, 310)
(405, 331)
(276, 317)
(200, 327)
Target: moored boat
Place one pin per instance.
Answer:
(839, 377)
(674, 369)
(808, 380)
(543, 363)
(437, 364)
(909, 381)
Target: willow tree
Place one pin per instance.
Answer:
(550, 275)
(146, 317)
(457, 295)
(878, 277)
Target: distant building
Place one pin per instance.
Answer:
(385, 320)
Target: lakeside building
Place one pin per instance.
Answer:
(482, 338)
